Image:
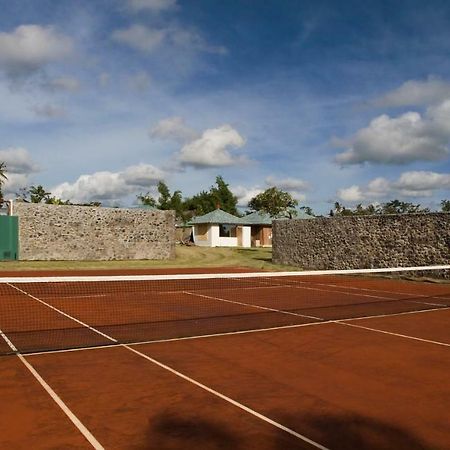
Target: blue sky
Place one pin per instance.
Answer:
(333, 101)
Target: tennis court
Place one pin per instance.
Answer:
(224, 360)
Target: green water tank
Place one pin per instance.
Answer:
(9, 238)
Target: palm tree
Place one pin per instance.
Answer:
(38, 193)
(3, 177)
(2, 173)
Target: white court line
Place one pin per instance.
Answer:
(395, 334)
(191, 380)
(426, 303)
(55, 397)
(251, 306)
(310, 288)
(64, 314)
(227, 399)
(76, 296)
(376, 290)
(232, 333)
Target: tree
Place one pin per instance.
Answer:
(170, 201)
(3, 177)
(146, 199)
(399, 207)
(307, 210)
(164, 200)
(56, 201)
(218, 196)
(38, 193)
(274, 202)
(223, 197)
(200, 204)
(445, 205)
(391, 207)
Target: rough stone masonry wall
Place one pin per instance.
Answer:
(65, 232)
(363, 241)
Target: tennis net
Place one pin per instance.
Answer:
(41, 314)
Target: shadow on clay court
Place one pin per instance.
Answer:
(349, 432)
(170, 431)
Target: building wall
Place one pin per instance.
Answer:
(266, 233)
(261, 235)
(227, 242)
(202, 235)
(246, 236)
(65, 232)
(363, 242)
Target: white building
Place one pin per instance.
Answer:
(221, 229)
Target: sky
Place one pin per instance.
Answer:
(332, 101)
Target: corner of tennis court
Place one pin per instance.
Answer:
(218, 360)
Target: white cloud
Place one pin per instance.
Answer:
(99, 186)
(14, 183)
(212, 149)
(63, 84)
(401, 140)
(109, 187)
(190, 39)
(295, 186)
(378, 187)
(244, 194)
(147, 40)
(421, 183)
(19, 167)
(287, 184)
(173, 128)
(18, 161)
(351, 194)
(30, 47)
(151, 5)
(411, 184)
(415, 92)
(142, 175)
(139, 37)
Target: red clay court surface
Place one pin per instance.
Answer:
(329, 362)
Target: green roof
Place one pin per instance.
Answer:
(218, 217)
(258, 218)
(255, 218)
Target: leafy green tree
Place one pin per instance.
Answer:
(56, 201)
(38, 194)
(170, 201)
(200, 204)
(219, 196)
(223, 197)
(391, 207)
(275, 202)
(445, 205)
(307, 210)
(341, 210)
(399, 207)
(164, 200)
(147, 199)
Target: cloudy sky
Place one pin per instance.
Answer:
(333, 101)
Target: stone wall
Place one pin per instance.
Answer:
(363, 241)
(65, 232)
